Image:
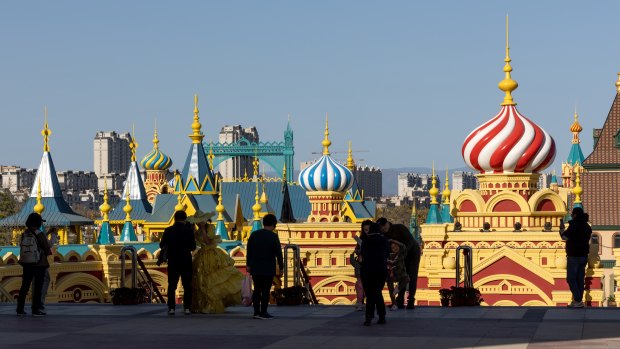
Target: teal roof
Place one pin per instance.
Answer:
(128, 233)
(434, 216)
(106, 236)
(57, 214)
(247, 191)
(220, 229)
(141, 210)
(445, 214)
(575, 156)
(366, 209)
(197, 167)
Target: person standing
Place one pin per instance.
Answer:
(34, 250)
(178, 241)
(374, 273)
(413, 254)
(263, 250)
(577, 238)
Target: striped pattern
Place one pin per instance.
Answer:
(509, 143)
(326, 175)
(156, 160)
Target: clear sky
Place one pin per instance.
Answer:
(404, 80)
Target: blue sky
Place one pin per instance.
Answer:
(406, 81)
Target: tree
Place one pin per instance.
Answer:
(402, 214)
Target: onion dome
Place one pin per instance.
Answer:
(326, 174)
(509, 142)
(156, 160)
(576, 127)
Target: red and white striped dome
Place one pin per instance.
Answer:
(509, 143)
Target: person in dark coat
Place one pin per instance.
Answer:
(34, 271)
(263, 250)
(577, 238)
(374, 272)
(413, 254)
(178, 241)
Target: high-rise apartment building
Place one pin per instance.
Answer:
(238, 166)
(462, 180)
(417, 185)
(111, 152)
(369, 179)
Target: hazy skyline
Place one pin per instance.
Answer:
(402, 80)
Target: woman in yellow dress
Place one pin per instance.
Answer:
(216, 282)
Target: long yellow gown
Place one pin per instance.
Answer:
(216, 283)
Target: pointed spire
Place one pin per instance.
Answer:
(508, 85)
(434, 191)
(46, 132)
(127, 208)
(39, 207)
(618, 83)
(263, 197)
(257, 206)
(105, 207)
(576, 128)
(577, 190)
(197, 135)
(284, 173)
(326, 142)
(211, 156)
(220, 208)
(155, 138)
(255, 164)
(446, 192)
(179, 206)
(133, 145)
(350, 162)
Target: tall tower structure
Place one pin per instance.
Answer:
(574, 162)
(112, 153)
(156, 164)
(237, 166)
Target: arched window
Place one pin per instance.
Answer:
(596, 239)
(617, 240)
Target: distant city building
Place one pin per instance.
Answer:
(15, 178)
(238, 166)
(111, 152)
(544, 182)
(304, 164)
(462, 180)
(416, 185)
(369, 179)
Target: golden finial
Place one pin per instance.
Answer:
(197, 135)
(46, 132)
(179, 206)
(105, 207)
(133, 145)
(220, 208)
(155, 138)
(257, 206)
(618, 83)
(263, 197)
(39, 207)
(446, 192)
(350, 162)
(434, 191)
(576, 128)
(284, 173)
(414, 211)
(127, 208)
(211, 156)
(245, 175)
(326, 142)
(577, 190)
(255, 164)
(508, 85)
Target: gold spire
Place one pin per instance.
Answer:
(434, 191)
(127, 208)
(134, 145)
(414, 211)
(257, 206)
(197, 135)
(577, 190)
(350, 162)
(263, 197)
(245, 175)
(508, 85)
(179, 206)
(105, 207)
(618, 83)
(39, 207)
(326, 142)
(46, 132)
(446, 192)
(211, 156)
(284, 173)
(255, 164)
(220, 208)
(576, 128)
(155, 138)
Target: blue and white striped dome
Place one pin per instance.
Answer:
(326, 175)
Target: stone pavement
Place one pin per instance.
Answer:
(95, 326)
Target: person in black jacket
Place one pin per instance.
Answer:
(374, 272)
(263, 249)
(577, 238)
(413, 254)
(178, 241)
(36, 270)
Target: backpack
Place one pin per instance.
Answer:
(29, 248)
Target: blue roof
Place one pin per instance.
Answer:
(57, 213)
(575, 156)
(197, 167)
(434, 216)
(141, 210)
(445, 213)
(247, 191)
(365, 209)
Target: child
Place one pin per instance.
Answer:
(397, 271)
(356, 261)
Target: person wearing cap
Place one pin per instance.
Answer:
(34, 271)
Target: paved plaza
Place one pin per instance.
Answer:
(95, 326)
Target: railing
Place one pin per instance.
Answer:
(300, 276)
(467, 266)
(142, 279)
